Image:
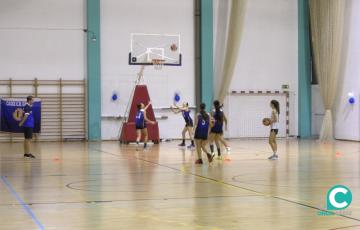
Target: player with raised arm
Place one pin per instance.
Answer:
(185, 111)
(140, 124)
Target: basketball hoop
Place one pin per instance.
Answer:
(158, 63)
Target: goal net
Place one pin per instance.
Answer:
(247, 109)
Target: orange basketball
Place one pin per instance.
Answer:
(173, 47)
(266, 121)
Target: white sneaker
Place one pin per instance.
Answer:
(228, 149)
(273, 157)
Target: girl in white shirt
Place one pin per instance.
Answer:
(274, 124)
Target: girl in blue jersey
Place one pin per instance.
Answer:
(140, 124)
(202, 126)
(188, 123)
(216, 132)
(28, 125)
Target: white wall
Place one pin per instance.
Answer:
(268, 55)
(347, 123)
(118, 20)
(42, 38)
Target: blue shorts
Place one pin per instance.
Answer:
(200, 136)
(28, 132)
(216, 130)
(140, 126)
(189, 124)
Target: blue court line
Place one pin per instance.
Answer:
(23, 204)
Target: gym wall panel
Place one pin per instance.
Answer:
(43, 39)
(118, 20)
(42, 13)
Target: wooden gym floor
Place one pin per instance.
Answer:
(109, 186)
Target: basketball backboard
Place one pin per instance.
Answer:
(155, 49)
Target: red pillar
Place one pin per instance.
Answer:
(128, 131)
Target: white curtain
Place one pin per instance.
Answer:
(327, 18)
(236, 21)
(221, 16)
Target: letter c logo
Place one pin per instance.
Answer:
(338, 197)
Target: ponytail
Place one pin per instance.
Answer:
(219, 115)
(203, 113)
(276, 104)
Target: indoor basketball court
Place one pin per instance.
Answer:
(192, 114)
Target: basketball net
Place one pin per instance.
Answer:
(158, 63)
